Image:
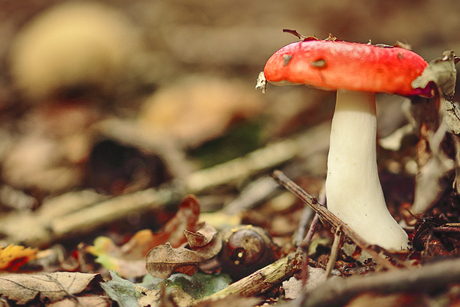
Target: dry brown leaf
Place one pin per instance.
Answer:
(51, 286)
(293, 286)
(173, 232)
(442, 73)
(202, 237)
(231, 301)
(129, 259)
(164, 260)
(436, 120)
(84, 301)
(199, 109)
(186, 218)
(392, 300)
(13, 256)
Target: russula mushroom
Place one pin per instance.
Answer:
(73, 44)
(357, 72)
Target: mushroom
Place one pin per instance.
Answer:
(73, 45)
(357, 72)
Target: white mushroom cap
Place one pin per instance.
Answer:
(72, 44)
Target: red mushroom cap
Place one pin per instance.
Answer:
(343, 65)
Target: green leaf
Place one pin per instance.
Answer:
(199, 285)
(122, 291)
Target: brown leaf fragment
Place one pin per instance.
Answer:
(232, 300)
(198, 109)
(51, 286)
(294, 287)
(164, 260)
(129, 259)
(185, 218)
(391, 300)
(84, 301)
(202, 237)
(442, 73)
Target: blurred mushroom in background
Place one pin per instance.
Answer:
(68, 64)
(73, 46)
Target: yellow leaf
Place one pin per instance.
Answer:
(13, 256)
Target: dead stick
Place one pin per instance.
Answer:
(261, 280)
(338, 291)
(326, 215)
(334, 252)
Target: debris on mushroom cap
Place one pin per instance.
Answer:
(352, 66)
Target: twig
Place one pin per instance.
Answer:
(301, 229)
(252, 195)
(48, 225)
(334, 251)
(304, 247)
(327, 216)
(338, 291)
(306, 241)
(261, 280)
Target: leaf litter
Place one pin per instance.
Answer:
(189, 244)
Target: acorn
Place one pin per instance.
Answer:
(245, 250)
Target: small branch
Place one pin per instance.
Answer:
(334, 251)
(301, 229)
(338, 291)
(314, 223)
(58, 219)
(261, 280)
(327, 216)
(252, 195)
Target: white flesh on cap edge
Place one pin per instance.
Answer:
(353, 189)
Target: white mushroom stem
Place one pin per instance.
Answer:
(353, 189)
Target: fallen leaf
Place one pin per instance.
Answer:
(84, 301)
(122, 291)
(53, 287)
(186, 218)
(202, 237)
(110, 256)
(150, 298)
(164, 260)
(391, 300)
(293, 286)
(442, 73)
(198, 109)
(199, 285)
(129, 259)
(435, 119)
(231, 301)
(13, 256)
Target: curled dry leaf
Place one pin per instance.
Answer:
(202, 237)
(442, 73)
(128, 260)
(164, 260)
(53, 287)
(437, 121)
(186, 218)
